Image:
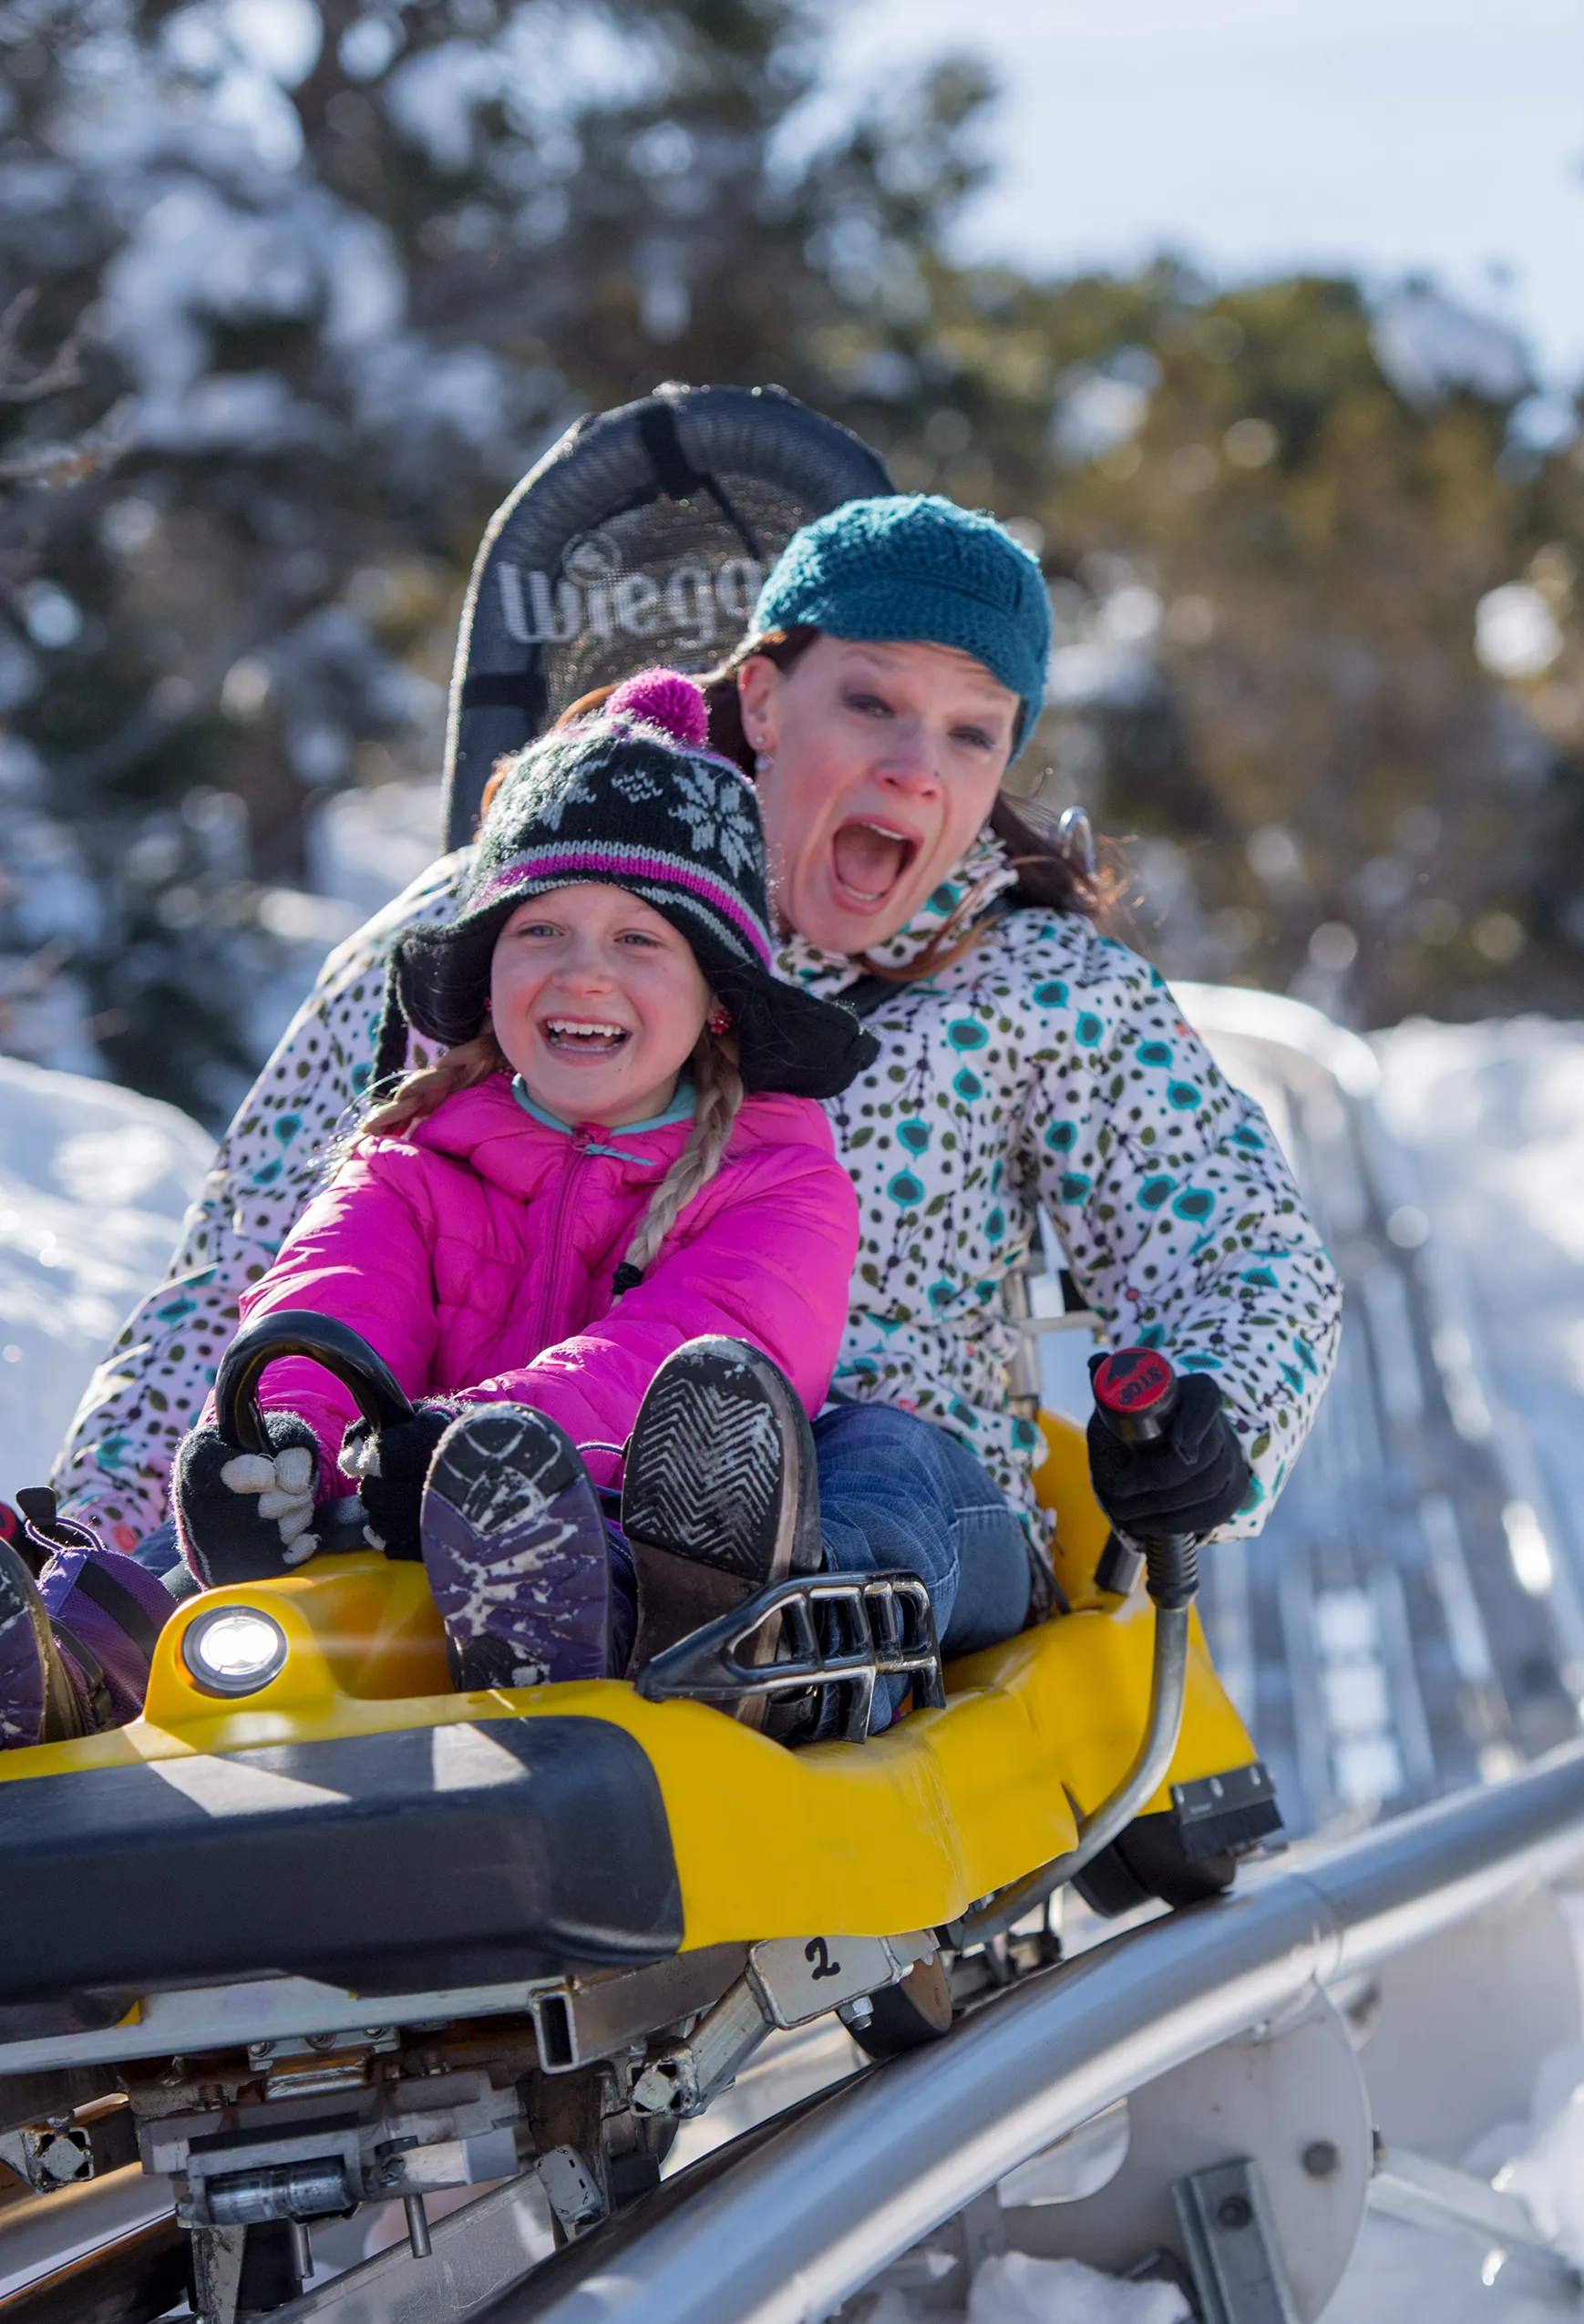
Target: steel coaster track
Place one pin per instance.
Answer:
(1376, 1635)
(785, 2225)
(793, 2218)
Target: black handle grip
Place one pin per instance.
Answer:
(1135, 1394)
(1171, 1563)
(1118, 1569)
(298, 1331)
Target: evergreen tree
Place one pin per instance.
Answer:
(1318, 644)
(317, 282)
(290, 293)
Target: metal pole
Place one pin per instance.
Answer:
(1167, 1685)
(784, 2231)
(43, 2232)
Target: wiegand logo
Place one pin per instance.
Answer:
(695, 603)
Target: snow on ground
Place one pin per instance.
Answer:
(364, 846)
(1399, 2270)
(93, 1180)
(93, 1184)
(1490, 1121)
(1012, 2289)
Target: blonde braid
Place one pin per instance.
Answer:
(421, 1092)
(719, 1090)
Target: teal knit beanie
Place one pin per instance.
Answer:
(917, 567)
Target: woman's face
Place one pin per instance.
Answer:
(885, 760)
(597, 1002)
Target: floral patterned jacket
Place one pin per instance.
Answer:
(1049, 1067)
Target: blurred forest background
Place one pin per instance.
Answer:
(293, 292)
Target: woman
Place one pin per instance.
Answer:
(895, 671)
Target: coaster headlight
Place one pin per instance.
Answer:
(235, 1651)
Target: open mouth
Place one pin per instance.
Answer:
(871, 860)
(573, 1037)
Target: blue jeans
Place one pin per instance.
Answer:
(159, 1550)
(898, 1494)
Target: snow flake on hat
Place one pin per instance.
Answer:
(715, 811)
(548, 797)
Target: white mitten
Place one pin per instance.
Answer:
(285, 1486)
(243, 1516)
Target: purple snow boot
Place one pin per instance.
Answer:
(107, 1611)
(38, 1701)
(78, 1624)
(516, 1551)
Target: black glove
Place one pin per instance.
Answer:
(390, 1465)
(244, 1517)
(1189, 1480)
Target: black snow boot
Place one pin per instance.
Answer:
(720, 1497)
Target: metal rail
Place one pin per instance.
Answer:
(44, 2234)
(783, 2226)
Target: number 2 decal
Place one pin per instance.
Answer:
(817, 1951)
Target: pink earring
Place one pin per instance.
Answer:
(719, 1021)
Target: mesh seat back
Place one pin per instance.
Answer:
(643, 536)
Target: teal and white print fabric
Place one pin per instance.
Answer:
(114, 1469)
(1048, 1067)
(1051, 1066)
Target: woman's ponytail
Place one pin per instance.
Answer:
(718, 1089)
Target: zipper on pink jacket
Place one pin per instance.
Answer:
(583, 1145)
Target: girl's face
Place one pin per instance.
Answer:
(597, 1002)
(885, 761)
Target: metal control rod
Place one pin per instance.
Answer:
(799, 2216)
(1135, 1394)
(1168, 1684)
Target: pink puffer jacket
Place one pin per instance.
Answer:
(475, 1254)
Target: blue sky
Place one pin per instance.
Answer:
(1443, 137)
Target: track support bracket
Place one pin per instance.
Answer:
(1427, 2194)
(1233, 2253)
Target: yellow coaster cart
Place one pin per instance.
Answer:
(315, 1931)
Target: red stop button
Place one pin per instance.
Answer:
(1133, 1381)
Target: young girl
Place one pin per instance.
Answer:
(612, 1212)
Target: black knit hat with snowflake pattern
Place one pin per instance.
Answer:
(633, 798)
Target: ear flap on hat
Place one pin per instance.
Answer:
(441, 977)
(791, 1040)
(390, 1048)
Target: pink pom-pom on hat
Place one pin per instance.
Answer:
(664, 698)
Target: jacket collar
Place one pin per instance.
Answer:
(517, 1146)
(980, 875)
(682, 1108)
